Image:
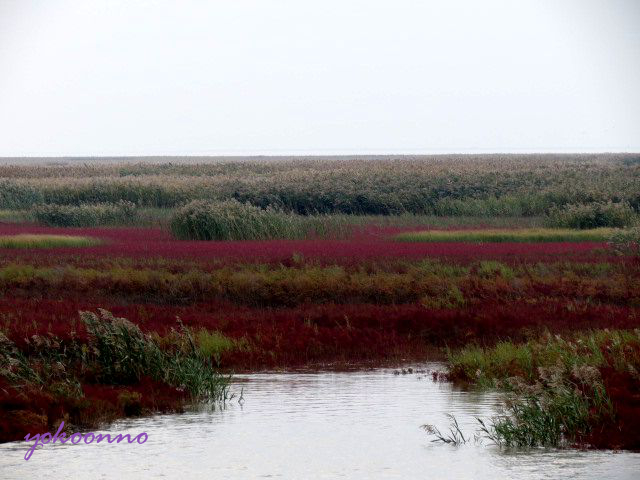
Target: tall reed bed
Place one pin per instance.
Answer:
(437, 185)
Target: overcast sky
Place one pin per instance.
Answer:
(294, 76)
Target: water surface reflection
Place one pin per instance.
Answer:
(355, 425)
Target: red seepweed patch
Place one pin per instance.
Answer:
(321, 333)
(623, 432)
(30, 410)
(292, 336)
(369, 244)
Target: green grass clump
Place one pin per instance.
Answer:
(120, 354)
(13, 216)
(214, 344)
(15, 366)
(229, 220)
(505, 235)
(46, 241)
(492, 269)
(85, 215)
(593, 215)
(507, 359)
(233, 220)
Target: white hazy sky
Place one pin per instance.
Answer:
(295, 76)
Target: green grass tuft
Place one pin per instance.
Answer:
(533, 235)
(46, 241)
(213, 344)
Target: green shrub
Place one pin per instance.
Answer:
(593, 215)
(86, 215)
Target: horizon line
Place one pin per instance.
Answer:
(328, 153)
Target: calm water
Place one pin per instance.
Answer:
(353, 425)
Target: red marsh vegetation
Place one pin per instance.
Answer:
(374, 244)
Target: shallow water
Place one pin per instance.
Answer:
(354, 425)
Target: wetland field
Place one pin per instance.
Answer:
(469, 308)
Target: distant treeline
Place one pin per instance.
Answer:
(463, 185)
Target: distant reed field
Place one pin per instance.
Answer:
(451, 185)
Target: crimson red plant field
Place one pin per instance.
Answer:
(286, 303)
(319, 333)
(149, 243)
(32, 410)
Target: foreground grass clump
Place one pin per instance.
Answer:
(122, 354)
(233, 220)
(86, 214)
(581, 390)
(112, 370)
(45, 241)
(506, 235)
